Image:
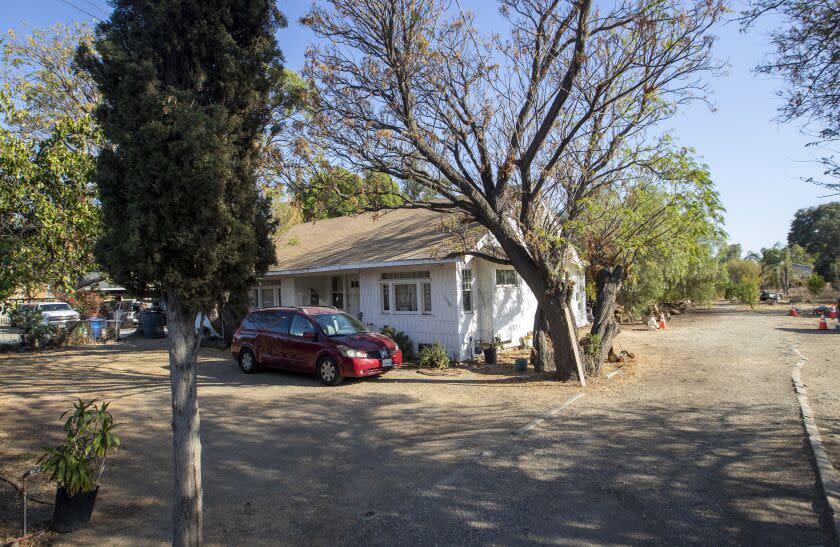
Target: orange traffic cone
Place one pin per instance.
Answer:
(662, 321)
(793, 312)
(833, 313)
(823, 324)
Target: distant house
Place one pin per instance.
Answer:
(388, 269)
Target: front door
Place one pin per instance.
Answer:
(353, 307)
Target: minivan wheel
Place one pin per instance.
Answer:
(247, 361)
(329, 372)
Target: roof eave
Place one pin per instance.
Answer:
(359, 266)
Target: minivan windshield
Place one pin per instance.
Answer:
(340, 324)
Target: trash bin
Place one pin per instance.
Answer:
(96, 328)
(152, 321)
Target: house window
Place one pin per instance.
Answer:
(505, 277)
(405, 297)
(466, 290)
(406, 292)
(338, 292)
(267, 297)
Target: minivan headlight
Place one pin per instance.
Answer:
(347, 351)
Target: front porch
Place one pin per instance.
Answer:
(338, 289)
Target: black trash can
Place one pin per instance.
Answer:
(152, 321)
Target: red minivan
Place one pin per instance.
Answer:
(332, 344)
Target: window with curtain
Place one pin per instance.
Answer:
(405, 297)
(427, 298)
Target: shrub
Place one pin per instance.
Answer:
(815, 284)
(746, 291)
(72, 335)
(77, 464)
(402, 340)
(33, 330)
(434, 356)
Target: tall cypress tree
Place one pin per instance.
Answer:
(186, 87)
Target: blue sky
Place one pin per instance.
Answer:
(755, 162)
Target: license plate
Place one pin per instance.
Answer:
(387, 363)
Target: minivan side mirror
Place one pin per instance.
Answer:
(309, 335)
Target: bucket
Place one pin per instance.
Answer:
(490, 356)
(152, 324)
(521, 364)
(72, 513)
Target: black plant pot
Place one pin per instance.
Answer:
(490, 356)
(72, 512)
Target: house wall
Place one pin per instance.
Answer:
(508, 311)
(504, 311)
(469, 321)
(441, 325)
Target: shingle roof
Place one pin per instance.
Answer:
(388, 236)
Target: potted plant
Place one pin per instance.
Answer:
(491, 351)
(77, 464)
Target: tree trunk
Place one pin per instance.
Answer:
(608, 283)
(230, 314)
(186, 440)
(543, 354)
(562, 333)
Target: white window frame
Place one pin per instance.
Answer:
(275, 286)
(496, 278)
(384, 290)
(421, 278)
(471, 291)
(422, 303)
(338, 288)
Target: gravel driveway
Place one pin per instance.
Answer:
(697, 442)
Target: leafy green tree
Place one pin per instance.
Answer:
(49, 219)
(815, 284)
(779, 265)
(691, 272)
(338, 192)
(746, 290)
(733, 251)
(42, 81)
(817, 229)
(661, 219)
(186, 91)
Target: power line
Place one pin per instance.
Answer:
(83, 11)
(98, 7)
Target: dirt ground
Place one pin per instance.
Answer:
(697, 441)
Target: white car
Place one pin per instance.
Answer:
(55, 313)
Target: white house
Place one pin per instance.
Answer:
(384, 268)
